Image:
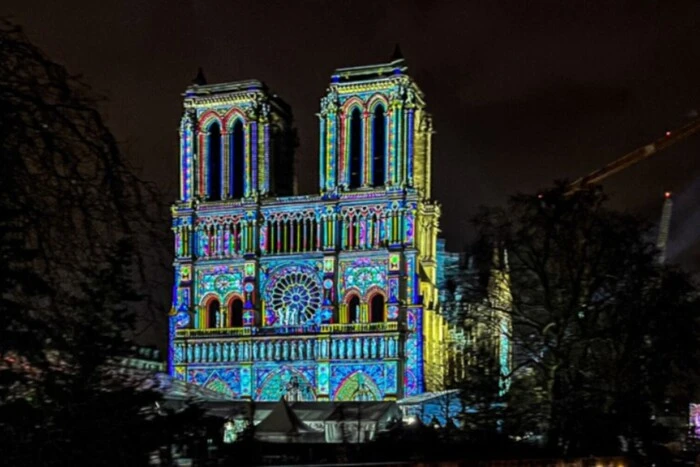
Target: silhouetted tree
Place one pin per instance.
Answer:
(608, 335)
(73, 219)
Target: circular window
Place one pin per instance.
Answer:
(296, 298)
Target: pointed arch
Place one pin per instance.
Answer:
(214, 160)
(358, 386)
(235, 311)
(212, 313)
(355, 144)
(286, 382)
(352, 302)
(209, 117)
(375, 100)
(351, 104)
(236, 158)
(352, 165)
(379, 144)
(376, 300)
(235, 113)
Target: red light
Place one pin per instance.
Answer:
(668, 133)
(667, 194)
(540, 196)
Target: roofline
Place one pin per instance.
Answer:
(196, 92)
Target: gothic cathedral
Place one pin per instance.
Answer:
(328, 296)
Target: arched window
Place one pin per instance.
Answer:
(213, 309)
(378, 146)
(236, 161)
(236, 313)
(214, 163)
(376, 308)
(356, 148)
(354, 309)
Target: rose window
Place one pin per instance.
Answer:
(296, 298)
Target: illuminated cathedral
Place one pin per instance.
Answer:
(326, 296)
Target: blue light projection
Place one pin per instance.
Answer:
(260, 307)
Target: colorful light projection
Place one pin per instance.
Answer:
(293, 261)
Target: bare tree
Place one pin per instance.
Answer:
(601, 327)
(75, 231)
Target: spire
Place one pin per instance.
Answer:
(664, 226)
(200, 79)
(397, 55)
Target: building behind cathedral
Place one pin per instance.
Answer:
(327, 296)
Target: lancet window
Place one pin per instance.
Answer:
(379, 147)
(355, 150)
(236, 313)
(361, 229)
(213, 312)
(214, 162)
(225, 238)
(292, 234)
(354, 309)
(236, 164)
(376, 308)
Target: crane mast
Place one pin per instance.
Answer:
(664, 227)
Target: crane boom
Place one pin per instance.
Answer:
(635, 156)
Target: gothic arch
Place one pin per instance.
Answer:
(237, 156)
(378, 147)
(281, 382)
(375, 100)
(211, 309)
(204, 301)
(372, 291)
(352, 301)
(351, 104)
(219, 385)
(209, 117)
(231, 296)
(211, 155)
(349, 293)
(358, 386)
(234, 310)
(355, 139)
(232, 115)
(376, 305)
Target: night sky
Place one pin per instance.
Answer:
(522, 92)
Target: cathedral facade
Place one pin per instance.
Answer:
(326, 296)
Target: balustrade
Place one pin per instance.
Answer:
(360, 327)
(287, 349)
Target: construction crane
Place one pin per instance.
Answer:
(632, 158)
(664, 227)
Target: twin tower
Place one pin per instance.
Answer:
(327, 296)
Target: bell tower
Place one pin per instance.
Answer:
(236, 143)
(374, 131)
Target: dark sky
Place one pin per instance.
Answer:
(522, 92)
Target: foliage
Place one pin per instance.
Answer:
(73, 217)
(606, 335)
